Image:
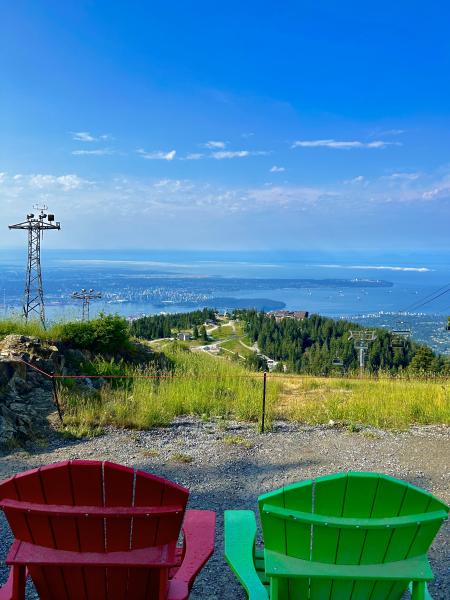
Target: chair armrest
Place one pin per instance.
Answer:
(6, 591)
(199, 532)
(240, 533)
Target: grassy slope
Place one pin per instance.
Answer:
(34, 328)
(385, 403)
(201, 385)
(212, 386)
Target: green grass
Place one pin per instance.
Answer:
(384, 403)
(237, 440)
(32, 328)
(237, 347)
(181, 457)
(210, 387)
(222, 332)
(201, 385)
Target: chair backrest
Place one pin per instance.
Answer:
(121, 510)
(349, 519)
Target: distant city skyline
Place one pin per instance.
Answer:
(248, 126)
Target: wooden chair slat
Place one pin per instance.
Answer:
(87, 482)
(56, 483)
(86, 512)
(28, 486)
(329, 497)
(298, 535)
(359, 498)
(137, 583)
(118, 489)
(56, 583)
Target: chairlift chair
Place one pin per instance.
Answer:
(337, 362)
(399, 336)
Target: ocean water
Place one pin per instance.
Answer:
(137, 282)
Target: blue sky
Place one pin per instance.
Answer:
(253, 125)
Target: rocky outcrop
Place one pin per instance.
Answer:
(26, 393)
(26, 397)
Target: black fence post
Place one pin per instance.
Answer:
(55, 397)
(263, 416)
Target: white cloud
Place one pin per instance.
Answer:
(378, 268)
(158, 155)
(292, 197)
(97, 152)
(212, 145)
(86, 136)
(276, 169)
(65, 182)
(2, 177)
(341, 145)
(173, 185)
(438, 191)
(405, 176)
(194, 156)
(357, 179)
(383, 132)
(83, 136)
(230, 154)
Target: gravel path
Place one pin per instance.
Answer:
(225, 475)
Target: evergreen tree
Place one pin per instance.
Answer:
(310, 345)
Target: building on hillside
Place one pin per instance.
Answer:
(184, 336)
(271, 364)
(298, 315)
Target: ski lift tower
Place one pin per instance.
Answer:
(362, 338)
(33, 298)
(86, 296)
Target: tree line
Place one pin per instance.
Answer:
(162, 326)
(310, 346)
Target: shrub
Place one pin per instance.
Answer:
(107, 333)
(79, 335)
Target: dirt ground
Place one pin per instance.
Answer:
(228, 467)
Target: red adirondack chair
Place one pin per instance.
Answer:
(87, 530)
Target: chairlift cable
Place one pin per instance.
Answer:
(432, 299)
(427, 299)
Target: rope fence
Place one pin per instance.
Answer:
(54, 377)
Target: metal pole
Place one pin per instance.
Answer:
(56, 399)
(263, 416)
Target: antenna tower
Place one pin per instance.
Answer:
(362, 338)
(33, 298)
(86, 296)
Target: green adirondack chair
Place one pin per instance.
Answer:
(358, 536)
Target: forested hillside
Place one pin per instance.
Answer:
(309, 346)
(161, 326)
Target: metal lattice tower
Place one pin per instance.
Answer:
(362, 339)
(86, 296)
(33, 298)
